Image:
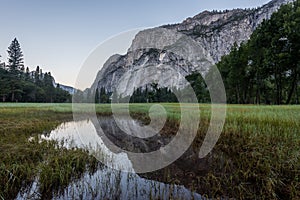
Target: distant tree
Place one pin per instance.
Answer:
(27, 74)
(104, 96)
(15, 64)
(199, 86)
(61, 96)
(89, 96)
(15, 56)
(49, 87)
(4, 88)
(37, 75)
(97, 96)
(150, 94)
(78, 97)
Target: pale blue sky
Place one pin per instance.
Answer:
(59, 35)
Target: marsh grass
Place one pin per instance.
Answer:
(256, 157)
(23, 160)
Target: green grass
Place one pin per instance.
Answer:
(256, 157)
(22, 161)
(261, 149)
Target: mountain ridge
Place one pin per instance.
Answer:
(206, 37)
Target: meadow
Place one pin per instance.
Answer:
(257, 155)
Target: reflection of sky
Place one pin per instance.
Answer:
(106, 183)
(59, 35)
(82, 134)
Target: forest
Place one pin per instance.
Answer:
(265, 69)
(18, 84)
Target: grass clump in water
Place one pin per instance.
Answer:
(24, 160)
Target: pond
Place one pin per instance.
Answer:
(107, 182)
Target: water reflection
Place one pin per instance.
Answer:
(106, 183)
(111, 184)
(70, 134)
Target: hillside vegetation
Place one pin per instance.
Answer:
(18, 84)
(266, 69)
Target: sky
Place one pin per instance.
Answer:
(59, 35)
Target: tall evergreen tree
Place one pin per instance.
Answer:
(20, 85)
(15, 63)
(97, 96)
(15, 56)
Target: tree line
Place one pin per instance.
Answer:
(18, 84)
(265, 70)
(149, 94)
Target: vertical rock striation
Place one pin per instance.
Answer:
(167, 54)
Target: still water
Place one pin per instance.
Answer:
(107, 182)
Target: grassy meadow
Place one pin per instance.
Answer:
(257, 155)
(22, 160)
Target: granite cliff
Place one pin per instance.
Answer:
(167, 54)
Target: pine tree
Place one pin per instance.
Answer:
(27, 74)
(97, 96)
(37, 75)
(15, 56)
(15, 63)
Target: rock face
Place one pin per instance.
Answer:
(167, 54)
(217, 31)
(67, 88)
